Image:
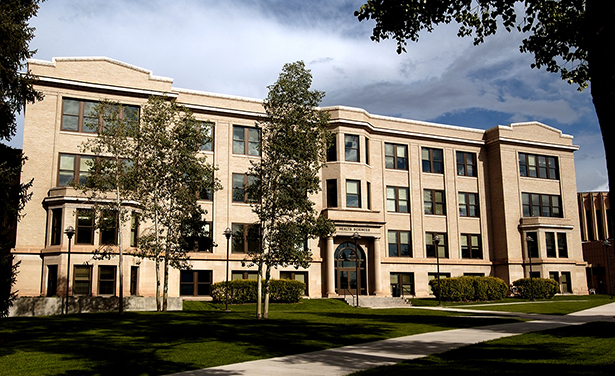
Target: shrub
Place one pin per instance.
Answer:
(465, 289)
(536, 288)
(245, 291)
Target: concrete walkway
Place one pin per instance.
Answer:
(345, 360)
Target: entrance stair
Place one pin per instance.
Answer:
(378, 301)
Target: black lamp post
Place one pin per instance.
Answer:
(530, 241)
(70, 231)
(606, 245)
(436, 241)
(356, 237)
(227, 233)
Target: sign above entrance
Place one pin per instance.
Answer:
(361, 230)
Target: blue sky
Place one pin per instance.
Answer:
(239, 47)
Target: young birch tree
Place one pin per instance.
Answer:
(293, 148)
(170, 173)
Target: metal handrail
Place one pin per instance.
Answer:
(353, 297)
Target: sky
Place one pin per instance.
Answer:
(239, 47)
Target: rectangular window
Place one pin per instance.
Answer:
(84, 116)
(134, 280)
(366, 151)
(399, 243)
(466, 164)
(590, 225)
(538, 166)
(532, 245)
(208, 129)
(599, 225)
(52, 280)
(108, 228)
(566, 282)
(82, 280)
(56, 226)
(431, 276)
(297, 276)
(245, 238)
(332, 150)
(195, 282)
(106, 280)
(134, 229)
(396, 156)
(353, 193)
(397, 199)
(240, 183)
(198, 237)
(432, 160)
(332, 193)
(431, 245)
(351, 143)
(541, 205)
(468, 204)
(369, 195)
(550, 240)
(562, 245)
(246, 140)
(402, 284)
(238, 274)
(74, 168)
(471, 246)
(85, 227)
(434, 202)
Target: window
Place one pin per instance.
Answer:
(56, 226)
(246, 140)
(538, 166)
(82, 280)
(332, 150)
(541, 205)
(235, 274)
(134, 279)
(468, 204)
(550, 240)
(431, 245)
(297, 276)
(532, 246)
(431, 276)
(562, 245)
(240, 182)
(466, 164)
(396, 156)
(471, 247)
(332, 193)
(52, 280)
(85, 227)
(245, 238)
(84, 116)
(134, 229)
(197, 236)
(366, 151)
(432, 160)
(399, 244)
(369, 195)
(108, 228)
(74, 168)
(397, 199)
(566, 282)
(195, 282)
(106, 280)
(434, 202)
(207, 128)
(353, 193)
(351, 143)
(402, 284)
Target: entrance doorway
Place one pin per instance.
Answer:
(347, 281)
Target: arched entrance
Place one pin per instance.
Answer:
(346, 279)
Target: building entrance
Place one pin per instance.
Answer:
(347, 280)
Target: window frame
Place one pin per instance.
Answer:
(245, 241)
(357, 195)
(76, 280)
(397, 244)
(471, 252)
(246, 141)
(77, 173)
(466, 156)
(429, 165)
(56, 226)
(467, 206)
(396, 199)
(245, 274)
(196, 283)
(430, 251)
(82, 116)
(208, 146)
(247, 180)
(434, 204)
(544, 201)
(293, 277)
(562, 245)
(332, 201)
(80, 228)
(550, 169)
(108, 232)
(394, 164)
(355, 139)
(111, 281)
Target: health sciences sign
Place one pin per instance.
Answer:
(350, 230)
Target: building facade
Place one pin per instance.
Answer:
(502, 201)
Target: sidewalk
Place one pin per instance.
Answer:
(345, 360)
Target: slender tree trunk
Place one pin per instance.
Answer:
(120, 244)
(259, 290)
(157, 259)
(267, 288)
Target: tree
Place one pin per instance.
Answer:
(170, 172)
(573, 37)
(111, 182)
(15, 36)
(293, 147)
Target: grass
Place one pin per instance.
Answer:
(584, 350)
(150, 343)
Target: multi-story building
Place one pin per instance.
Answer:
(501, 201)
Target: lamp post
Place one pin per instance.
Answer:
(530, 241)
(227, 233)
(70, 231)
(436, 241)
(356, 237)
(606, 245)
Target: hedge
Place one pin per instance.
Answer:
(245, 291)
(468, 289)
(536, 288)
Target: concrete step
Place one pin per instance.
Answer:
(378, 301)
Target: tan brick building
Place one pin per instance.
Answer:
(396, 182)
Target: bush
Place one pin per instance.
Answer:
(536, 288)
(245, 291)
(467, 289)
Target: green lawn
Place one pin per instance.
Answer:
(587, 350)
(150, 343)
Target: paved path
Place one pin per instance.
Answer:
(345, 360)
